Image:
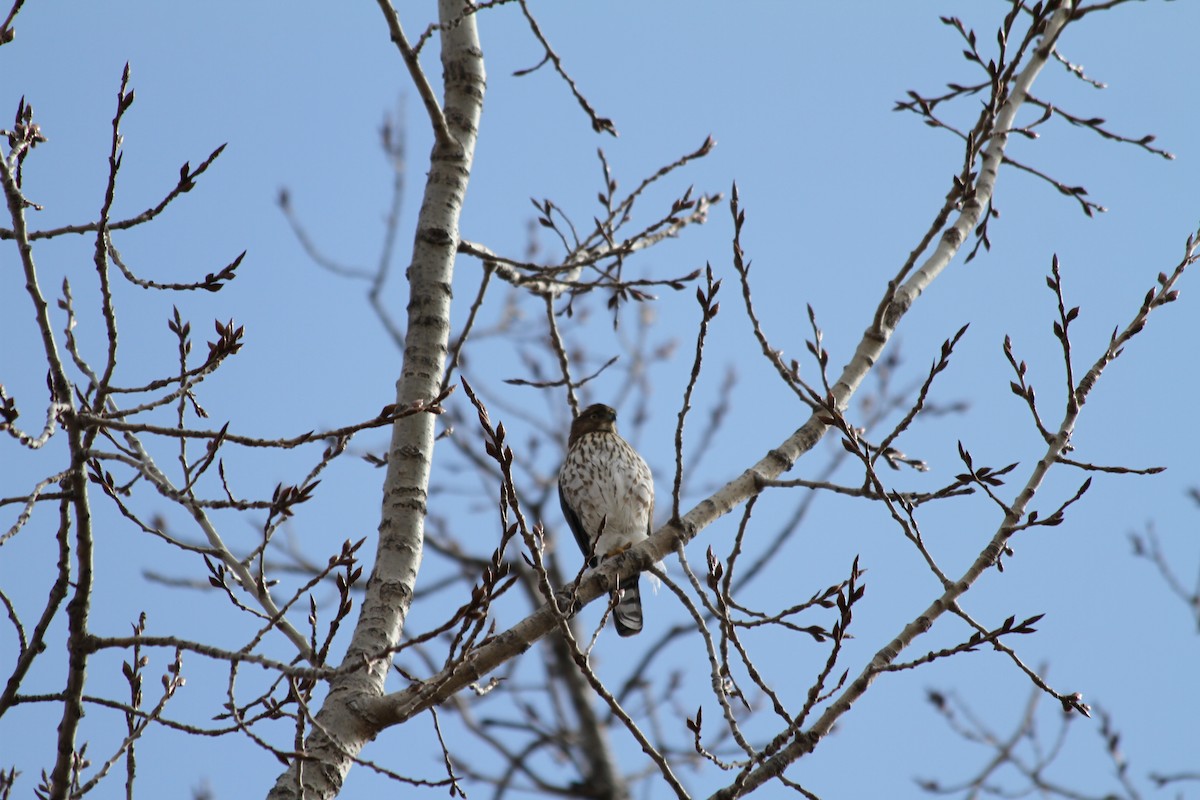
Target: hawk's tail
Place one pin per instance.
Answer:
(627, 614)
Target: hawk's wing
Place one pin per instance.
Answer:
(581, 536)
(649, 511)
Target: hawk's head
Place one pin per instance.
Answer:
(597, 418)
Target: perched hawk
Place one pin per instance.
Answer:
(607, 495)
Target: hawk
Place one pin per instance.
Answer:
(607, 495)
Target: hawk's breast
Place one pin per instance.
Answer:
(606, 482)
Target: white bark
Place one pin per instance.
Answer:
(342, 727)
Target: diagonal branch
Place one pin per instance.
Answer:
(397, 707)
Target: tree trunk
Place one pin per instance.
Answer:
(342, 728)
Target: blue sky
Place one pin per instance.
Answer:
(837, 189)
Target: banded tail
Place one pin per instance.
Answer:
(627, 614)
